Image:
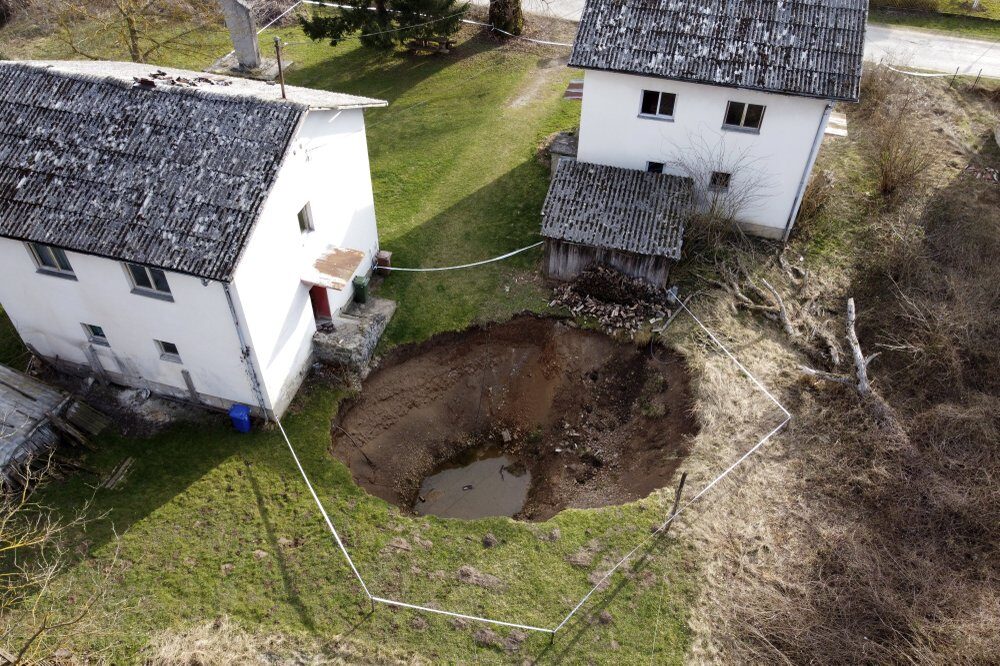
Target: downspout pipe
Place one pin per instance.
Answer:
(805, 173)
(246, 354)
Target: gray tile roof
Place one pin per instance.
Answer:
(800, 47)
(167, 175)
(618, 209)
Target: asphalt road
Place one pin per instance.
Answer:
(902, 47)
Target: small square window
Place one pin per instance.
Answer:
(654, 167)
(306, 219)
(657, 104)
(96, 335)
(719, 182)
(168, 351)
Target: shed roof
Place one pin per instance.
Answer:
(798, 47)
(170, 173)
(25, 407)
(617, 209)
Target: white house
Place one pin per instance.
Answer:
(734, 94)
(181, 233)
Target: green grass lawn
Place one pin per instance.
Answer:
(456, 180)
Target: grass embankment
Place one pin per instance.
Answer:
(212, 523)
(974, 26)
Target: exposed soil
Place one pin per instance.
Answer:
(595, 421)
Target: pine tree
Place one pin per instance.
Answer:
(385, 23)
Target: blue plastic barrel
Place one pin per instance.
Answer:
(240, 414)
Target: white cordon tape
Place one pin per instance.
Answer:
(923, 74)
(455, 268)
(527, 627)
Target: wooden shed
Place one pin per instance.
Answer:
(35, 418)
(632, 221)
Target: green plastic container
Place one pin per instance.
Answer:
(361, 288)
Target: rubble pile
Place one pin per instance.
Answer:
(616, 301)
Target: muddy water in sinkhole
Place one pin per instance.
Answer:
(479, 483)
(522, 419)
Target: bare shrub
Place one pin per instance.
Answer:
(717, 204)
(9, 9)
(36, 552)
(894, 145)
(819, 191)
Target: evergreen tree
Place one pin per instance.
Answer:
(385, 23)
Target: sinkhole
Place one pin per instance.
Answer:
(519, 419)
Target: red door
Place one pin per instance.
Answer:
(320, 302)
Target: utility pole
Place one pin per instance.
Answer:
(281, 71)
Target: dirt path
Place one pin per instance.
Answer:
(594, 421)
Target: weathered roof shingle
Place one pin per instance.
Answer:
(800, 47)
(168, 176)
(617, 209)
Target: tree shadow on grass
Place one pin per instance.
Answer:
(384, 74)
(287, 579)
(499, 217)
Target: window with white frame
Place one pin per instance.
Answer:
(96, 335)
(719, 181)
(742, 116)
(51, 259)
(306, 219)
(148, 281)
(657, 104)
(168, 351)
(654, 167)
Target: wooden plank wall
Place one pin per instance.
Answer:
(565, 261)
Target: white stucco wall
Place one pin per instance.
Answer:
(48, 312)
(613, 133)
(328, 168)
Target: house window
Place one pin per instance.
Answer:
(148, 281)
(654, 167)
(306, 219)
(96, 335)
(51, 259)
(719, 182)
(168, 351)
(656, 104)
(743, 116)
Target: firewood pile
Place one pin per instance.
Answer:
(616, 301)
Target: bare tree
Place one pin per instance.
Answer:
(140, 28)
(35, 551)
(727, 181)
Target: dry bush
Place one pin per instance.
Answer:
(9, 9)
(819, 191)
(894, 144)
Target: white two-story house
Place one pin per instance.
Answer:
(165, 230)
(734, 94)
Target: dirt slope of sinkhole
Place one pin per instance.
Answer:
(595, 422)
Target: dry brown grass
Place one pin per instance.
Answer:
(845, 544)
(223, 643)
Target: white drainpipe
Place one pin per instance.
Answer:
(805, 174)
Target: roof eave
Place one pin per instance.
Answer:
(836, 98)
